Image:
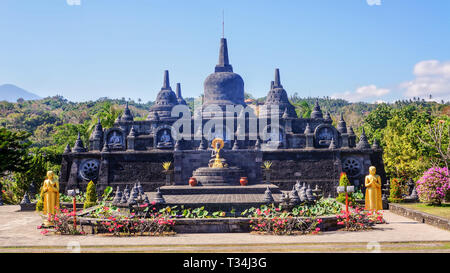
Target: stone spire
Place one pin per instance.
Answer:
(350, 131)
(67, 149)
(97, 133)
(307, 129)
(272, 83)
(105, 148)
(317, 112)
(285, 114)
(236, 145)
(328, 118)
(257, 144)
(268, 197)
(277, 81)
(159, 199)
(132, 132)
(332, 144)
(363, 143)
(127, 116)
(294, 196)
(375, 145)
(25, 199)
(342, 125)
(277, 99)
(166, 82)
(165, 101)
(179, 97)
(203, 145)
(224, 64)
(78, 147)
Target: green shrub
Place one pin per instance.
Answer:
(91, 196)
(395, 194)
(40, 205)
(343, 181)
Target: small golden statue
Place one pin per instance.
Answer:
(217, 145)
(373, 190)
(50, 194)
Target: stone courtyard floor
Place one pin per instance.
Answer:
(19, 233)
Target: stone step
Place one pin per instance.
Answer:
(249, 189)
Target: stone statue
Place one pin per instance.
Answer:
(373, 190)
(165, 140)
(114, 139)
(50, 194)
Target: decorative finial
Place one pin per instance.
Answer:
(67, 149)
(224, 64)
(363, 143)
(178, 93)
(277, 82)
(332, 144)
(236, 145)
(166, 83)
(223, 24)
(307, 129)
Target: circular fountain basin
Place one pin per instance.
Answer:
(218, 176)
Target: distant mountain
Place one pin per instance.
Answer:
(11, 93)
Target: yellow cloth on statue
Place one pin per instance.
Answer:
(50, 193)
(373, 192)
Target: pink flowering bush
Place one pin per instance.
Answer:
(359, 219)
(154, 226)
(63, 222)
(285, 225)
(434, 186)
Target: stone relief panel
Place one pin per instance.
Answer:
(89, 169)
(323, 134)
(352, 166)
(115, 138)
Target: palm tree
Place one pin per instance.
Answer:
(107, 114)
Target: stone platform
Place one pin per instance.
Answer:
(215, 198)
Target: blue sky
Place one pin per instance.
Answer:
(381, 50)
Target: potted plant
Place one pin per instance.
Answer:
(267, 170)
(166, 166)
(243, 181)
(192, 182)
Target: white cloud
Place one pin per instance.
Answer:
(363, 93)
(374, 2)
(431, 77)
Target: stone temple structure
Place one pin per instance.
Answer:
(308, 150)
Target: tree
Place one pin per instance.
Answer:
(376, 121)
(403, 154)
(14, 151)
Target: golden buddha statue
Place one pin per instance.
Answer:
(217, 145)
(373, 190)
(50, 194)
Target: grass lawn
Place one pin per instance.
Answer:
(442, 211)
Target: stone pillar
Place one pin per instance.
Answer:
(103, 174)
(344, 141)
(73, 175)
(309, 140)
(130, 142)
(95, 144)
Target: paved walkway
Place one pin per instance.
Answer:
(19, 233)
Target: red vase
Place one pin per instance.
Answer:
(243, 181)
(192, 182)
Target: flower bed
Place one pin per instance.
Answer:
(149, 220)
(358, 219)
